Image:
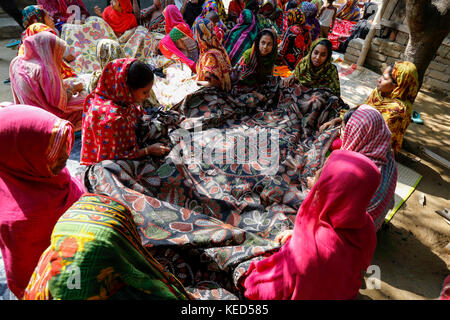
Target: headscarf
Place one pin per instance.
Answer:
(98, 237)
(221, 9)
(42, 58)
(270, 19)
(120, 21)
(325, 76)
(235, 8)
(253, 68)
(367, 133)
(35, 28)
(173, 17)
(297, 39)
(213, 57)
(292, 4)
(208, 6)
(32, 196)
(107, 51)
(110, 117)
(396, 108)
(333, 242)
(349, 11)
(32, 14)
(310, 11)
(242, 36)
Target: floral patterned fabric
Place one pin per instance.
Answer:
(214, 61)
(110, 117)
(97, 240)
(296, 39)
(206, 220)
(341, 31)
(82, 41)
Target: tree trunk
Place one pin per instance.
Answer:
(429, 24)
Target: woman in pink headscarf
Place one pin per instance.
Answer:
(36, 79)
(35, 187)
(178, 43)
(333, 240)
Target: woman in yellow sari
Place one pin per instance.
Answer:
(393, 97)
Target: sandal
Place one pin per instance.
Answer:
(415, 117)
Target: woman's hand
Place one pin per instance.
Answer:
(98, 11)
(204, 83)
(260, 97)
(330, 124)
(284, 236)
(76, 87)
(157, 149)
(289, 81)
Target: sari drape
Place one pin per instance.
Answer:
(120, 21)
(325, 76)
(98, 237)
(110, 117)
(366, 132)
(242, 36)
(396, 108)
(253, 68)
(36, 78)
(333, 241)
(349, 11)
(66, 70)
(169, 49)
(32, 196)
(296, 40)
(213, 59)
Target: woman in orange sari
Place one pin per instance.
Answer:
(393, 97)
(214, 65)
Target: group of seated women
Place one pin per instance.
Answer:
(335, 228)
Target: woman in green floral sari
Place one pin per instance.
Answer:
(96, 253)
(316, 70)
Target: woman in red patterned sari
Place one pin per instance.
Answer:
(111, 113)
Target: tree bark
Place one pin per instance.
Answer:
(429, 24)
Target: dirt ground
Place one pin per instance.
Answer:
(410, 254)
(411, 250)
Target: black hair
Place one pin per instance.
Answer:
(262, 33)
(140, 75)
(349, 114)
(327, 43)
(391, 67)
(291, 5)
